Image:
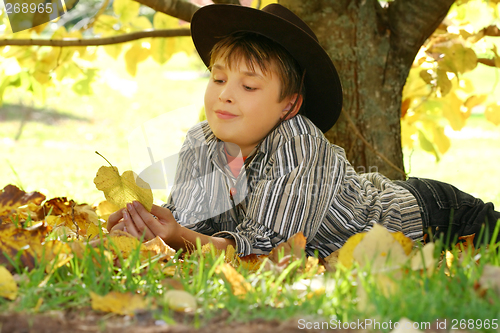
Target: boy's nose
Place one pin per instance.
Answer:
(225, 96)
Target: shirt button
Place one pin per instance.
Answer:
(232, 191)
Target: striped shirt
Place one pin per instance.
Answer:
(297, 182)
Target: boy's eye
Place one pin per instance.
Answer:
(248, 88)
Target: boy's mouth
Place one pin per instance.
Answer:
(224, 115)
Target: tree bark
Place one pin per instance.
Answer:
(373, 49)
(181, 9)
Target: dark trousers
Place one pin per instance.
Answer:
(450, 213)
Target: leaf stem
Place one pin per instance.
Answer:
(104, 158)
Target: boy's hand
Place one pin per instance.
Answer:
(160, 222)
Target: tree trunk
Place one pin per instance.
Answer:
(373, 49)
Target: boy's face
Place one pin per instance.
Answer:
(242, 105)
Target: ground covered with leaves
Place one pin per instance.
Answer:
(60, 270)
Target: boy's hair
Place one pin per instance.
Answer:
(268, 55)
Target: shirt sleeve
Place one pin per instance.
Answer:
(188, 199)
(292, 196)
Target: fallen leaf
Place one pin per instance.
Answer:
(172, 283)
(380, 246)
(8, 287)
(490, 279)
(466, 243)
(122, 243)
(345, 252)
(120, 303)
(158, 246)
(120, 190)
(93, 231)
(11, 198)
(313, 266)
(28, 241)
(77, 217)
(424, 259)
(331, 261)
(106, 208)
(379, 249)
(169, 270)
(180, 300)
(406, 242)
(251, 262)
(294, 246)
(55, 254)
(239, 286)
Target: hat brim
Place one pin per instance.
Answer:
(323, 96)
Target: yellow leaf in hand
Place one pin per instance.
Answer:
(123, 189)
(8, 287)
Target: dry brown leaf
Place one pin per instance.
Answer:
(120, 190)
(27, 240)
(466, 243)
(251, 262)
(11, 198)
(239, 286)
(294, 246)
(31, 243)
(121, 303)
(8, 287)
(64, 212)
(332, 260)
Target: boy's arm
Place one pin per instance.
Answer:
(139, 221)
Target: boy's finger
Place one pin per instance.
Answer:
(114, 218)
(119, 226)
(139, 215)
(129, 224)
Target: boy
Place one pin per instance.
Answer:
(272, 93)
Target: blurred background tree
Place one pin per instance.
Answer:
(431, 48)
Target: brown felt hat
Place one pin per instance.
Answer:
(323, 94)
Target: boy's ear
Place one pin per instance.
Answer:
(295, 98)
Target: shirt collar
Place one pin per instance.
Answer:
(292, 127)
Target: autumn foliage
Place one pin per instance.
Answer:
(36, 232)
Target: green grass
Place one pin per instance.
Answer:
(273, 295)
